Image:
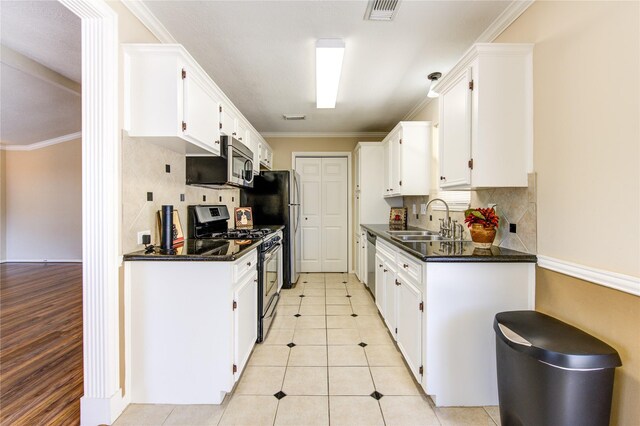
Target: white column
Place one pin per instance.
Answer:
(102, 400)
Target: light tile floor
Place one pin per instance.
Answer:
(328, 359)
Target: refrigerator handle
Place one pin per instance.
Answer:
(297, 189)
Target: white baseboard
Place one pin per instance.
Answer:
(41, 261)
(101, 411)
(621, 282)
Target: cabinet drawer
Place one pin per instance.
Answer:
(245, 264)
(386, 250)
(410, 267)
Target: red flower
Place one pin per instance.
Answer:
(485, 217)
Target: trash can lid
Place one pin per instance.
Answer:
(554, 342)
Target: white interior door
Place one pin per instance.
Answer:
(310, 170)
(324, 221)
(334, 214)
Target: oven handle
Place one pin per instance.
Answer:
(269, 253)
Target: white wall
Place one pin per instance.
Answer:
(43, 203)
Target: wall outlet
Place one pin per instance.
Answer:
(141, 233)
(423, 208)
(414, 210)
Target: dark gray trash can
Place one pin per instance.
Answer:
(551, 373)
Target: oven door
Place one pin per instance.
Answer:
(270, 278)
(270, 273)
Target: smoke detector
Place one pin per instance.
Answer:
(294, 117)
(381, 10)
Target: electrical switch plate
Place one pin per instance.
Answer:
(140, 234)
(423, 208)
(413, 209)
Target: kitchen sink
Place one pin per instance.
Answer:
(412, 233)
(419, 238)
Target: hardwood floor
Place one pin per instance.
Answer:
(40, 343)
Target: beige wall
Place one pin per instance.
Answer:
(608, 314)
(3, 206)
(283, 147)
(587, 129)
(43, 203)
(586, 155)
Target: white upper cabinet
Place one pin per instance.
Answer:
(486, 118)
(266, 156)
(169, 100)
(228, 120)
(408, 154)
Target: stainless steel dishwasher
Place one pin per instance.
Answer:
(371, 263)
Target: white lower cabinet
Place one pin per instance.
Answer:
(390, 299)
(441, 315)
(190, 328)
(409, 324)
(380, 289)
(245, 320)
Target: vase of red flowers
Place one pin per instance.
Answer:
(482, 225)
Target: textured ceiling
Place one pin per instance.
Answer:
(44, 31)
(261, 54)
(33, 110)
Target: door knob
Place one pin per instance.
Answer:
(306, 218)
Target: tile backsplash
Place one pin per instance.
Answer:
(147, 184)
(514, 206)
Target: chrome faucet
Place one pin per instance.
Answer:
(445, 224)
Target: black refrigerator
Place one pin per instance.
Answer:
(275, 200)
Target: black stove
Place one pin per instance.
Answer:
(242, 234)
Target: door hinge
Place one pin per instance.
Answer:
(234, 368)
(421, 370)
(220, 126)
(421, 307)
(470, 164)
(471, 85)
(396, 330)
(235, 305)
(220, 108)
(400, 142)
(400, 183)
(184, 73)
(184, 126)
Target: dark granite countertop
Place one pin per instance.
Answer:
(205, 249)
(451, 251)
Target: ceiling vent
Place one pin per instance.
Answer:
(381, 10)
(294, 117)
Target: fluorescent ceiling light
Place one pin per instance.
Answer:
(329, 54)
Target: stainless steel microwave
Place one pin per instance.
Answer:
(234, 166)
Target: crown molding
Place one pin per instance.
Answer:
(501, 23)
(149, 20)
(620, 282)
(323, 135)
(43, 144)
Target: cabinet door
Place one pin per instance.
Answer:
(395, 183)
(409, 325)
(245, 321)
(390, 305)
(455, 133)
(227, 121)
(364, 263)
(380, 273)
(387, 168)
(200, 122)
(242, 133)
(356, 258)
